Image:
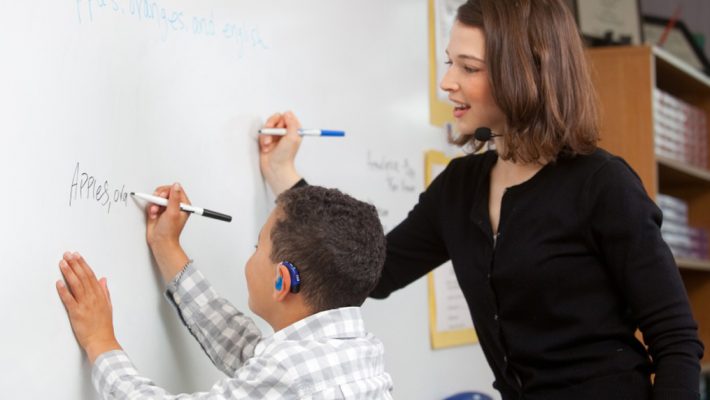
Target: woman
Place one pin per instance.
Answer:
(554, 241)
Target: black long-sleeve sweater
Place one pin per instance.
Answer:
(577, 266)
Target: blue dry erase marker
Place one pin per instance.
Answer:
(302, 132)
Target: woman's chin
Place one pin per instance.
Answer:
(463, 129)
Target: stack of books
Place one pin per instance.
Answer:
(680, 130)
(685, 241)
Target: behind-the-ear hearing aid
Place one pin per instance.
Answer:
(293, 274)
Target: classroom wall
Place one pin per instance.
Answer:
(99, 98)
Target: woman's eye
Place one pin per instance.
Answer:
(449, 63)
(470, 69)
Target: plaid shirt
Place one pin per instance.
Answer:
(324, 356)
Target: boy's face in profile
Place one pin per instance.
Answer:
(260, 271)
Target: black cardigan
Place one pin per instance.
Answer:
(578, 265)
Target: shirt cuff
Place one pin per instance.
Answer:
(189, 292)
(110, 371)
(176, 279)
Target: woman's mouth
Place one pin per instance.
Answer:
(460, 109)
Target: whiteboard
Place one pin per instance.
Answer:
(99, 98)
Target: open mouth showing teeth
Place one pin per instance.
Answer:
(462, 107)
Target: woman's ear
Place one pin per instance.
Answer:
(282, 284)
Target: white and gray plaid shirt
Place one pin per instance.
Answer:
(324, 356)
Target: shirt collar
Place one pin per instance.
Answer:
(339, 323)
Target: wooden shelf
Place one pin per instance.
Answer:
(689, 263)
(673, 174)
(675, 75)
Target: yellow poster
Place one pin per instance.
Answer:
(449, 319)
(442, 14)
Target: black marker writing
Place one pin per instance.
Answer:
(86, 187)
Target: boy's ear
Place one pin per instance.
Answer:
(282, 285)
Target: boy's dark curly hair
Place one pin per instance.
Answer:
(336, 242)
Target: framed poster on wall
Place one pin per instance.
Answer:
(619, 18)
(675, 37)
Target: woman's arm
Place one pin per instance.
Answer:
(415, 246)
(626, 230)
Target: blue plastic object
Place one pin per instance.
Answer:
(469, 396)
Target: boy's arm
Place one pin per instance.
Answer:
(227, 336)
(115, 377)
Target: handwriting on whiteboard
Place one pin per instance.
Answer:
(398, 174)
(87, 187)
(173, 21)
(383, 214)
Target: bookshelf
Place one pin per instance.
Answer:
(625, 78)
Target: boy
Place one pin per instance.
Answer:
(319, 255)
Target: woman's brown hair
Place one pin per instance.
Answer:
(539, 77)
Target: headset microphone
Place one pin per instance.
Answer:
(484, 134)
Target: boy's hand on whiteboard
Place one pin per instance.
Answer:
(277, 154)
(163, 228)
(88, 303)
